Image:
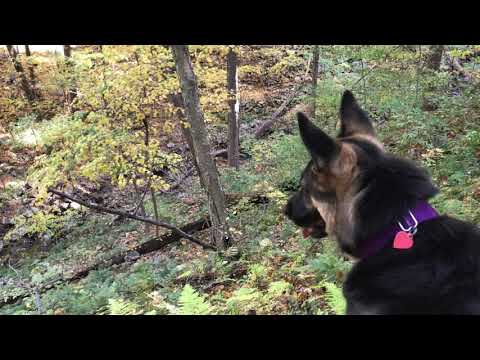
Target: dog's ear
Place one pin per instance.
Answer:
(353, 119)
(322, 147)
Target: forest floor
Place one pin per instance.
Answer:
(273, 270)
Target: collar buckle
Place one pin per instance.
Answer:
(411, 229)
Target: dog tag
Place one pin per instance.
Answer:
(403, 240)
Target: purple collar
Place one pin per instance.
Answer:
(422, 212)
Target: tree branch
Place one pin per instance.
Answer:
(134, 217)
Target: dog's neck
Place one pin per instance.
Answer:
(422, 211)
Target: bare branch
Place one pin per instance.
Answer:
(134, 217)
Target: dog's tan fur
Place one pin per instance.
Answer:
(338, 177)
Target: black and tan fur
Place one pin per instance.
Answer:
(351, 190)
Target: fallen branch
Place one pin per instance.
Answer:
(267, 125)
(224, 154)
(179, 181)
(142, 249)
(146, 247)
(134, 217)
(456, 65)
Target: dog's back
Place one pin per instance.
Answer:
(439, 275)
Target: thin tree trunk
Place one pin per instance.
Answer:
(177, 101)
(432, 64)
(206, 164)
(147, 160)
(142, 207)
(233, 121)
(67, 51)
(434, 57)
(316, 54)
(71, 90)
(30, 66)
(25, 85)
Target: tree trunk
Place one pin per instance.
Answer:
(25, 85)
(206, 164)
(313, 94)
(71, 93)
(177, 101)
(31, 72)
(146, 127)
(434, 57)
(233, 121)
(67, 51)
(432, 64)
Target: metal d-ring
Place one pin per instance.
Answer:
(412, 229)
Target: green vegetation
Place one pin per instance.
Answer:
(96, 149)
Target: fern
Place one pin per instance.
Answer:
(192, 303)
(122, 307)
(243, 299)
(335, 300)
(278, 288)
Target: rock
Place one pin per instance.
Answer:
(132, 256)
(189, 201)
(6, 221)
(170, 145)
(75, 206)
(46, 237)
(64, 205)
(4, 139)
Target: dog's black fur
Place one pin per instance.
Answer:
(440, 274)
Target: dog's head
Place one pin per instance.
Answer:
(351, 188)
(328, 188)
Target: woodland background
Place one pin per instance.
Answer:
(151, 179)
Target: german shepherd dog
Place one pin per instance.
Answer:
(408, 258)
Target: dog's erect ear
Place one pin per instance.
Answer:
(322, 147)
(354, 120)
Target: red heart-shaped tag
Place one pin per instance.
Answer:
(403, 240)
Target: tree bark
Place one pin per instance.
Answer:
(31, 72)
(206, 164)
(434, 57)
(71, 90)
(316, 54)
(177, 101)
(24, 84)
(233, 121)
(67, 51)
(432, 64)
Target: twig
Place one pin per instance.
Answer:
(373, 67)
(267, 125)
(217, 282)
(456, 65)
(34, 292)
(144, 248)
(134, 217)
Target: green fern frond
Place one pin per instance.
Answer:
(335, 300)
(192, 303)
(122, 307)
